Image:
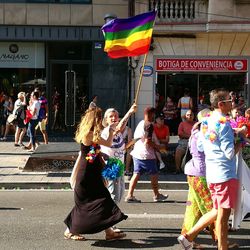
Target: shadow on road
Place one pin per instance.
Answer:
(150, 243)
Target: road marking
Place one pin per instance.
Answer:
(155, 216)
(68, 189)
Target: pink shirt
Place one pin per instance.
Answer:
(143, 151)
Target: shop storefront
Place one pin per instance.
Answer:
(69, 73)
(201, 75)
(22, 66)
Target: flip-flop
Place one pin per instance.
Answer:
(230, 228)
(115, 236)
(116, 230)
(70, 236)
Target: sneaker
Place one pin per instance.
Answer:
(161, 198)
(162, 165)
(187, 245)
(3, 139)
(16, 145)
(132, 200)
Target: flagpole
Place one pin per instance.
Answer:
(142, 68)
(140, 79)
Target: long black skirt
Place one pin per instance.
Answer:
(94, 208)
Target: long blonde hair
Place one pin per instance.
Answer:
(91, 121)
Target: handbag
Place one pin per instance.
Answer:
(187, 157)
(28, 116)
(75, 170)
(11, 118)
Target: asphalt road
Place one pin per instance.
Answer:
(31, 220)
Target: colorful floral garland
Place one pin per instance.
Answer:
(239, 122)
(93, 152)
(211, 134)
(113, 169)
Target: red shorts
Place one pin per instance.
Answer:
(224, 195)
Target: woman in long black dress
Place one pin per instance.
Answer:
(94, 208)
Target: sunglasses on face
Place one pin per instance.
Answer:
(229, 100)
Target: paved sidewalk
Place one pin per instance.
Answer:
(13, 160)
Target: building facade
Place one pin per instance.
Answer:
(57, 45)
(197, 44)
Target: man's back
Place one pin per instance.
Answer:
(218, 145)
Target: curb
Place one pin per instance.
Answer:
(141, 185)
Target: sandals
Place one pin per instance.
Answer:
(231, 228)
(116, 230)
(70, 236)
(115, 236)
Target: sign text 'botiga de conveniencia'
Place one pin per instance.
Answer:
(202, 65)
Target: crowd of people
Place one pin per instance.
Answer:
(26, 115)
(213, 137)
(211, 172)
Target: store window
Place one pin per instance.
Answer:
(199, 85)
(22, 67)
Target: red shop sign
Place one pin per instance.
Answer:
(202, 65)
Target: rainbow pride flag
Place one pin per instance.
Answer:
(130, 36)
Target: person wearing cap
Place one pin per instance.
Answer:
(162, 133)
(144, 156)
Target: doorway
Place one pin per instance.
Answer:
(69, 91)
(199, 85)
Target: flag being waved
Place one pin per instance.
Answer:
(130, 36)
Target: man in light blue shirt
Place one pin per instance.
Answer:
(217, 142)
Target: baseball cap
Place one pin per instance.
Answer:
(161, 116)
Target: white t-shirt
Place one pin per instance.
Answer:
(35, 105)
(117, 149)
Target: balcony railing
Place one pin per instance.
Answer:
(179, 10)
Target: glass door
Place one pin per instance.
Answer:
(174, 84)
(69, 85)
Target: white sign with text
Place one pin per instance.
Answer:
(22, 55)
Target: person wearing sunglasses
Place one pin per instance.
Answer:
(217, 143)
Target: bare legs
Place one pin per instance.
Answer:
(154, 184)
(19, 134)
(132, 184)
(134, 180)
(179, 153)
(222, 227)
(45, 136)
(203, 222)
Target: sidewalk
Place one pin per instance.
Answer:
(13, 160)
